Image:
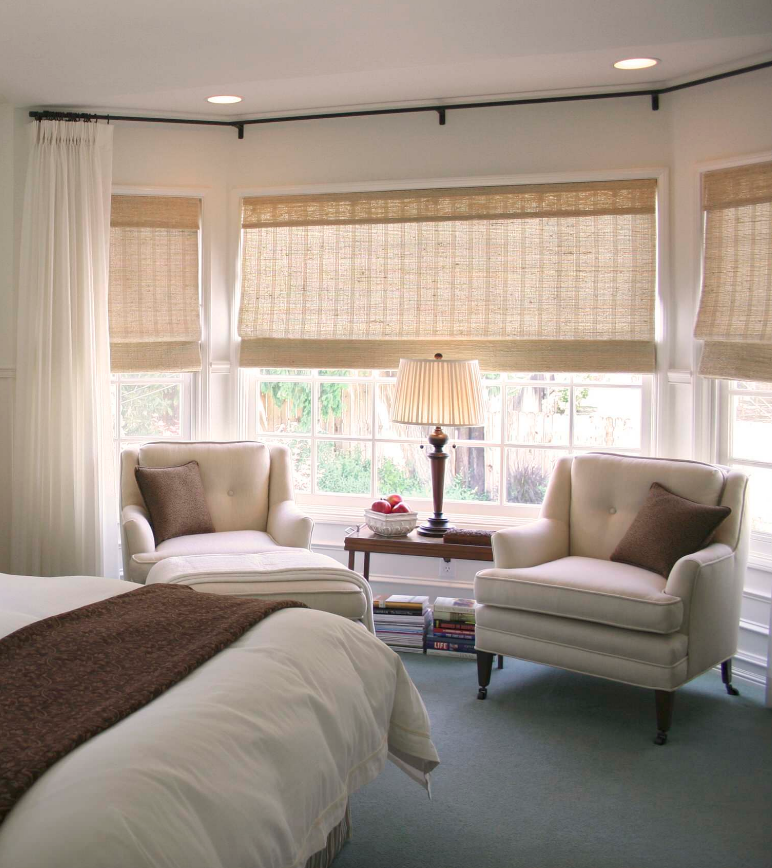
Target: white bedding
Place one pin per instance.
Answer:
(246, 763)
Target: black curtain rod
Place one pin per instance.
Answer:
(653, 93)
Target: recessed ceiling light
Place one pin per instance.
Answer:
(636, 63)
(222, 100)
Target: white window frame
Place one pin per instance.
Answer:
(194, 397)
(712, 398)
(761, 543)
(187, 407)
(332, 507)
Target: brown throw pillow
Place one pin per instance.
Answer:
(175, 499)
(666, 528)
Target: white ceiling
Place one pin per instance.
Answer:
(167, 56)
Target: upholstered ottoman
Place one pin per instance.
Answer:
(298, 574)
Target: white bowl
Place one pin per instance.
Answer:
(387, 524)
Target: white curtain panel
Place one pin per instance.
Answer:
(64, 512)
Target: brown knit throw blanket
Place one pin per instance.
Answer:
(67, 678)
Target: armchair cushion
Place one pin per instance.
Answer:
(587, 589)
(667, 528)
(228, 542)
(175, 500)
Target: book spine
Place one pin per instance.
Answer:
(459, 655)
(459, 626)
(439, 645)
(450, 634)
(454, 614)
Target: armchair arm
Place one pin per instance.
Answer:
(288, 526)
(545, 539)
(710, 586)
(711, 560)
(137, 530)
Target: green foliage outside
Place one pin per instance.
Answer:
(458, 489)
(151, 409)
(342, 472)
(527, 484)
(394, 480)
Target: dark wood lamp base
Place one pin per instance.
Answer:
(437, 525)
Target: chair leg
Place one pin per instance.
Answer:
(664, 700)
(484, 669)
(500, 664)
(726, 677)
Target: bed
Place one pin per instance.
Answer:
(248, 762)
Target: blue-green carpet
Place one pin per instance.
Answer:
(558, 770)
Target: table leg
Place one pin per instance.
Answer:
(366, 571)
(501, 661)
(351, 560)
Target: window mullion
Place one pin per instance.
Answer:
(314, 426)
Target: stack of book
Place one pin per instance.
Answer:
(401, 621)
(452, 628)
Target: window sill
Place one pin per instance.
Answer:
(348, 515)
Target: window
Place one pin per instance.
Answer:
(151, 406)
(747, 433)
(337, 425)
(155, 315)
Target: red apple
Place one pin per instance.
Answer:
(394, 499)
(401, 507)
(381, 506)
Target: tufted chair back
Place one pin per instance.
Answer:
(236, 478)
(599, 494)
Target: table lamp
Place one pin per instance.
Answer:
(438, 392)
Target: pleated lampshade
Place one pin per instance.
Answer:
(438, 392)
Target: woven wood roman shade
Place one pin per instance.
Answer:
(155, 322)
(735, 313)
(552, 277)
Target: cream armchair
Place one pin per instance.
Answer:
(554, 596)
(249, 492)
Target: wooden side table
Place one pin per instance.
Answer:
(364, 540)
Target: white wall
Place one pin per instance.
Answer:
(725, 119)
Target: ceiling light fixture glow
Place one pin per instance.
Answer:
(636, 63)
(223, 100)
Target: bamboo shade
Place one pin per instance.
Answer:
(155, 322)
(537, 277)
(735, 313)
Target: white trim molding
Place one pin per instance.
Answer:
(679, 378)
(759, 561)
